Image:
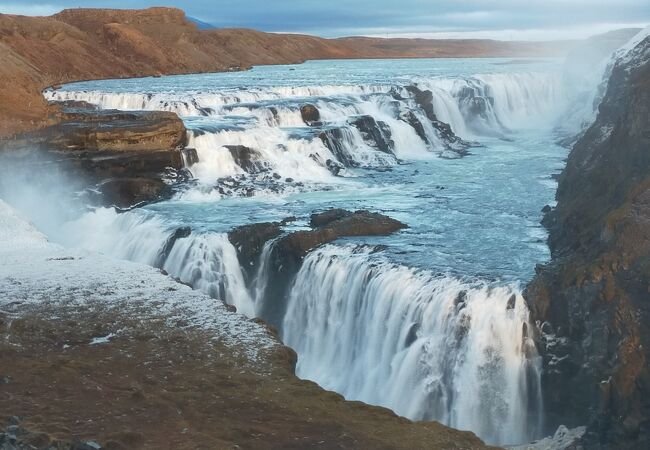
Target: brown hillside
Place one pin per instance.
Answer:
(79, 44)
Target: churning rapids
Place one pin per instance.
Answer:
(429, 322)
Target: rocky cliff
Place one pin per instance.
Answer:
(592, 301)
(80, 44)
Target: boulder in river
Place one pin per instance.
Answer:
(310, 115)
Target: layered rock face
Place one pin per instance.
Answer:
(127, 158)
(592, 301)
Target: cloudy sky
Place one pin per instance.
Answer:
(499, 19)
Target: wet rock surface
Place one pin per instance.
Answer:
(250, 160)
(334, 139)
(124, 159)
(591, 302)
(249, 241)
(424, 100)
(289, 250)
(333, 224)
(375, 133)
(310, 115)
(131, 192)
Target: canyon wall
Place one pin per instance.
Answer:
(592, 301)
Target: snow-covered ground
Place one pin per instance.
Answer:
(36, 272)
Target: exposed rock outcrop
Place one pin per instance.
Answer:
(94, 130)
(424, 100)
(592, 301)
(334, 139)
(334, 224)
(375, 133)
(288, 251)
(249, 241)
(125, 157)
(310, 115)
(250, 160)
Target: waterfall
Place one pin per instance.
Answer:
(489, 103)
(206, 261)
(428, 347)
(268, 122)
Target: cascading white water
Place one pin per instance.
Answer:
(299, 159)
(496, 102)
(430, 348)
(208, 262)
(265, 119)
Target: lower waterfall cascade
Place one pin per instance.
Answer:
(433, 348)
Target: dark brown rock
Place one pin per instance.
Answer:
(288, 251)
(250, 160)
(374, 133)
(249, 241)
(129, 192)
(122, 155)
(334, 224)
(318, 220)
(86, 129)
(424, 100)
(310, 115)
(592, 300)
(334, 138)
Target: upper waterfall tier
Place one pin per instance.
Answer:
(294, 129)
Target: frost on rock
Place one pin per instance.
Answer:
(632, 52)
(35, 272)
(564, 438)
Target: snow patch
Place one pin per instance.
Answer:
(36, 272)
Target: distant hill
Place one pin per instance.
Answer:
(81, 44)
